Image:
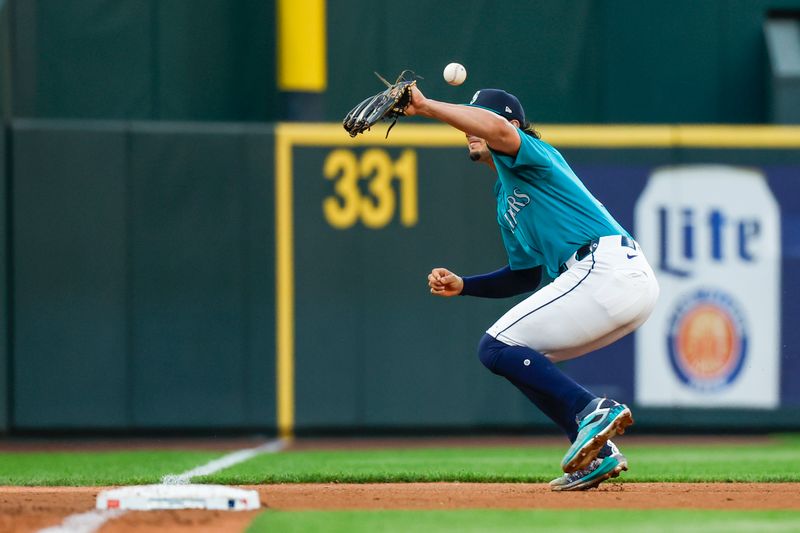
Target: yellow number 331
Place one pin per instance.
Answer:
(375, 209)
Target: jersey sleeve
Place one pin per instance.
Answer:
(518, 259)
(532, 153)
(502, 283)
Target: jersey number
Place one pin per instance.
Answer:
(376, 208)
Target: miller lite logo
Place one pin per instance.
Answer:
(707, 340)
(688, 235)
(712, 234)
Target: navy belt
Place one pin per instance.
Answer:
(582, 252)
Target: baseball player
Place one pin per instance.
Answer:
(590, 281)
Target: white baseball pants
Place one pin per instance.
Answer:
(596, 301)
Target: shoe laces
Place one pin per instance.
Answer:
(586, 471)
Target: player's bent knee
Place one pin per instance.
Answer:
(489, 350)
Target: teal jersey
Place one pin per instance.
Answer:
(545, 212)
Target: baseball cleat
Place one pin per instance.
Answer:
(596, 472)
(607, 420)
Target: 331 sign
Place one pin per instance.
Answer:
(370, 188)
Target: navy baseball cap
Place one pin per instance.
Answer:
(504, 104)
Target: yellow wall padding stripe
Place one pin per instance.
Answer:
(753, 136)
(302, 50)
(284, 288)
(747, 136)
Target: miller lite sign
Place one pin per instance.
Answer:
(712, 235)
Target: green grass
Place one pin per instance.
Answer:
(579, 521)
(96, 468)
(771, 461)
(774, 461)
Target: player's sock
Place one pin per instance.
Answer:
(557, 395)
(552, 407)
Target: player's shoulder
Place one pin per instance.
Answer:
(533, 140)
(532, 154)
(534, 150)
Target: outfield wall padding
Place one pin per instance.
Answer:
(5, 305)
(147, 60)
(146, 258)
(143, 276)
(584, 61)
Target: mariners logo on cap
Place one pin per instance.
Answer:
(474, 97)
(707, 340)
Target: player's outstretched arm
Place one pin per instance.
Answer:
(498, 133)
(444, 283)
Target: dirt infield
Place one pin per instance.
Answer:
(27, 509)
(531, 496)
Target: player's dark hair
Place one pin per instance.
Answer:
(528, 128)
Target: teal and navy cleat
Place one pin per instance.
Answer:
(607, 420)
(595, 473)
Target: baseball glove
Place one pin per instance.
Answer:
(386, 105)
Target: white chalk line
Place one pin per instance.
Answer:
(91, 521)
(222, 463)
(84, 522)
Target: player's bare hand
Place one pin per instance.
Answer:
(444, 283)
(418, 103)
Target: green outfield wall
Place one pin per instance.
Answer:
(583, 61)
(226, 277)
(5, 307)
(5, 60)
(173, 261)
(143, 276)
(144, 59)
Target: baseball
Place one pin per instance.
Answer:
(454, 73)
